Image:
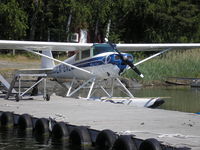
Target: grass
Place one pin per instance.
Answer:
(22, 57)
(182, 63)
(27, 56)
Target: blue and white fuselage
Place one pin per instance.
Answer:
(103, 62)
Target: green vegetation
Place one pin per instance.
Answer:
(132, 21)
(137, 21)
(172, 64)
(22, 56)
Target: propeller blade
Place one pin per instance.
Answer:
(136, 70)
(133, 67)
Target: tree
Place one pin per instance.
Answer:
(13, 23)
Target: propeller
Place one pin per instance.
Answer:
(125, 60)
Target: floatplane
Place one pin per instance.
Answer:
(92, 63)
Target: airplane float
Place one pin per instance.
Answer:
(93, 63)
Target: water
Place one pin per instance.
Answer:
(185, 99)
(15, 139)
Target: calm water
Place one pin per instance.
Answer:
(177, 98)
(14, 139)
(184, 99)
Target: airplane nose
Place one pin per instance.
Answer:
(128, 58)
(125, 57)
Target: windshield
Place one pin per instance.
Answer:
(102, 48)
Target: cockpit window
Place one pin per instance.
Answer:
(85, 54)
(102, 48)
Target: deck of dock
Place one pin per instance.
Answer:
(172, 128)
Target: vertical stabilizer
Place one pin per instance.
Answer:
(46, 62)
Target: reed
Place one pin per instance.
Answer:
(182, 63)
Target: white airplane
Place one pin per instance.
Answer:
(93, 63)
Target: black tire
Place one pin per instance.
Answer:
(7, 119)
(80, 138)
(105, 140)
(42, 126)
(124, 142)
(47, 97)
(60, 131)
(150, 144)
(25, 122)
(17, 97)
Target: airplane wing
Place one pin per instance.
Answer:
(64, 46)
(156, 46)
(34, 45)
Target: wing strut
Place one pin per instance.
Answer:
(148, 58)
(62, 62)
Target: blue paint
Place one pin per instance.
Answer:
(91, 62)
(198, 113)
(111, 59)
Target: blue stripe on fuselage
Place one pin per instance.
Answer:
(100, 61)
(91, 62)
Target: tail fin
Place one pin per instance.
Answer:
(47, 63)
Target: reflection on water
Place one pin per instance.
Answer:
(14, 138)
(184, 99)
(11, 139)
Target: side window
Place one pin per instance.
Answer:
(77, 56)
(85, 54)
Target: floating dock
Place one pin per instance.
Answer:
(177, 129)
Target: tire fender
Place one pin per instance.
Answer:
(7, 119)
(124, 142)
(151, 144)
(60, 130)
(25, 122)
(42, 126)
(105, 140)
(80, 137)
